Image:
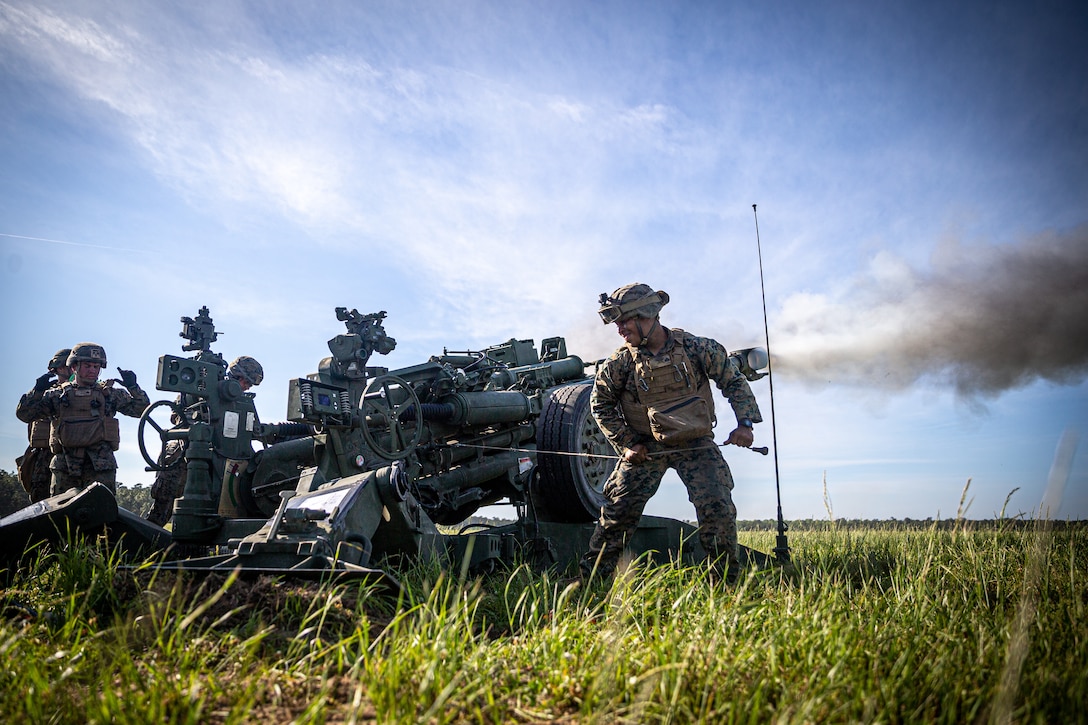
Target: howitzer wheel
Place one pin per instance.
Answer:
(573, 456)
(386, 399)
(154, 464)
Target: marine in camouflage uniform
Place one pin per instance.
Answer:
(84, 431)
(170, 478)
(33, 465)
(636, 393)
(169, 482)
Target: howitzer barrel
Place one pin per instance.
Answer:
(482, 408)
(568, 368)
(458, 361)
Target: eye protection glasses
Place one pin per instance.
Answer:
(612, 310)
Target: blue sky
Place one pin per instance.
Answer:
(483, 170)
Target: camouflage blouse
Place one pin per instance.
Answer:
(615, 379)
(36, 405)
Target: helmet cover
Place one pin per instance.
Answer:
(59, 359)
(631, 300)
(248, 369)
(87, 352)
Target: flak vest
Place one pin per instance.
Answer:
(83, 420)
(672, 399)
(39, 433)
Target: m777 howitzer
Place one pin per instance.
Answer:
(372, 461)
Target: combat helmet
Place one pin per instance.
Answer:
(246, 368)
(631, 300)
(59, 359)
(87, 352)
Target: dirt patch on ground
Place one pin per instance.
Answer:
(289, 606)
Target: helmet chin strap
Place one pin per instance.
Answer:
(646, 335)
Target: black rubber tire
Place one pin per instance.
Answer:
(569, 488)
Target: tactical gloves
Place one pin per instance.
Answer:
(128, 378)
(44, 383)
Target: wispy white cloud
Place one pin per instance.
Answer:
(466, 178)
(38, 26)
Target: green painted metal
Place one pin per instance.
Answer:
(369, 462)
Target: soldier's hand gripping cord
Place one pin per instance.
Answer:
(44, 382)
(128, 378)
(742, 437)
(635, 454)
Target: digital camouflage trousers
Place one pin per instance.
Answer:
(169, 483)
(35, 474)
(67, 475)
(709, 483)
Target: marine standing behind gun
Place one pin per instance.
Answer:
(84, 430)
(170, 478)
(33, 465)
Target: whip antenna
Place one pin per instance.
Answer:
(782, 544)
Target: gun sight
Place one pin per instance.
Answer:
(200, 332)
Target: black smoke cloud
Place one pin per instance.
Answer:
(982, 320)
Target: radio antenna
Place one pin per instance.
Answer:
(782, 544)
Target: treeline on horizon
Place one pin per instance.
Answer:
(138, 500)
(892, 524)
(906, 524)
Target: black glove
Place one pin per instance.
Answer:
(44, 383)
(128, 378)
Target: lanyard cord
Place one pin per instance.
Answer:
(577, 454)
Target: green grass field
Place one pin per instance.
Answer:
(937, 625)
